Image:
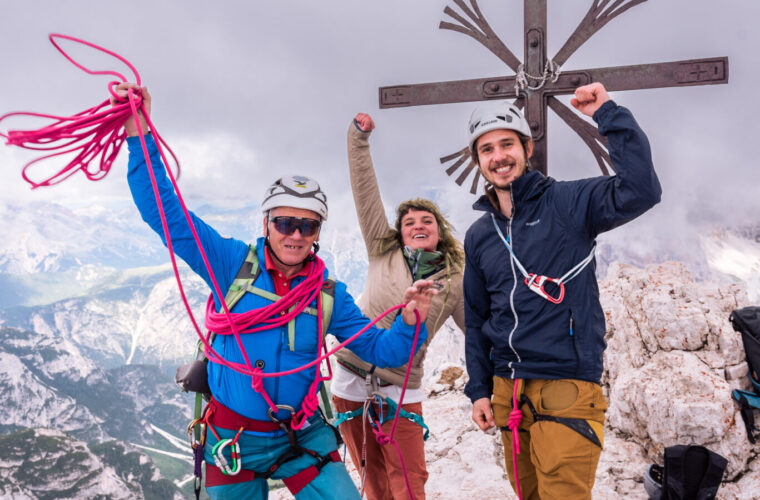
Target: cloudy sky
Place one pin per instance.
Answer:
(246, 91)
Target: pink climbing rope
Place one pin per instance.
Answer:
(380, 435)
(93, 134)
(515, 416)
(97, 133)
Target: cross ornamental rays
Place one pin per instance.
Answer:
(538, 79)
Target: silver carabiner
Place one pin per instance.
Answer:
(276, 420)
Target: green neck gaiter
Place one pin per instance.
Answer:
(422, 263)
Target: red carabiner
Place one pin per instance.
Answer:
(537, 283)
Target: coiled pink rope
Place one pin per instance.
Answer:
(93, 134)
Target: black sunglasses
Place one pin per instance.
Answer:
(288, 225)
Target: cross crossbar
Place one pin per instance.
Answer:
(545, 79)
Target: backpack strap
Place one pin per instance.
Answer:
(328, 301)
(327, 295)
(748, 402)
(245, 277)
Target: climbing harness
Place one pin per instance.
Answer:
(97, 132)
(244, 322)
(224, 471)
(523, 79)
(379, 419)
(376, 419)
(196, 373)
(536, 282)
(579, 425)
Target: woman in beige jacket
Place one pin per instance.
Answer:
(419, 246)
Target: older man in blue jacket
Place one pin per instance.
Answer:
(535, 326)
(294, 209)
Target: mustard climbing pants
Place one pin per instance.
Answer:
(558, 458)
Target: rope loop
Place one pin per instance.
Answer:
(257, 383)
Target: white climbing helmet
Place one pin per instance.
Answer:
(496, 115)
(296, 191)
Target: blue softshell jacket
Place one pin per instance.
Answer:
(268, 348)
(511, 331)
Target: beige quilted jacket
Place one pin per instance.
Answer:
(389, 275)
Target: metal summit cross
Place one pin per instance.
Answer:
(538, 79)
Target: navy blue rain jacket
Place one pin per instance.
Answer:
(511, 331)
(269, 348)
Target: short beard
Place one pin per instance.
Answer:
(508, 187)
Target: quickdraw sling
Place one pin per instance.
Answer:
(536, 282)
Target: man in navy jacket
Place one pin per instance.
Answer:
(535, 326)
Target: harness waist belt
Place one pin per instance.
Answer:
(221, 416)
(295, 483)
(358, 371)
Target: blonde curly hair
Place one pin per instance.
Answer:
(449, 246)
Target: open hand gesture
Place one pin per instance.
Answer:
(418, 297)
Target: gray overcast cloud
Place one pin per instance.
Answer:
(247, 91)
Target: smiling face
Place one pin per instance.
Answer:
(290, 249)
(501, 156)
(419, 229)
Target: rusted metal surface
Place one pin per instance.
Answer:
(537, 80)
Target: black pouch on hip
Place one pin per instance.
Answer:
(193, 377)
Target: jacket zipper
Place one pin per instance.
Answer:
(514, 285)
